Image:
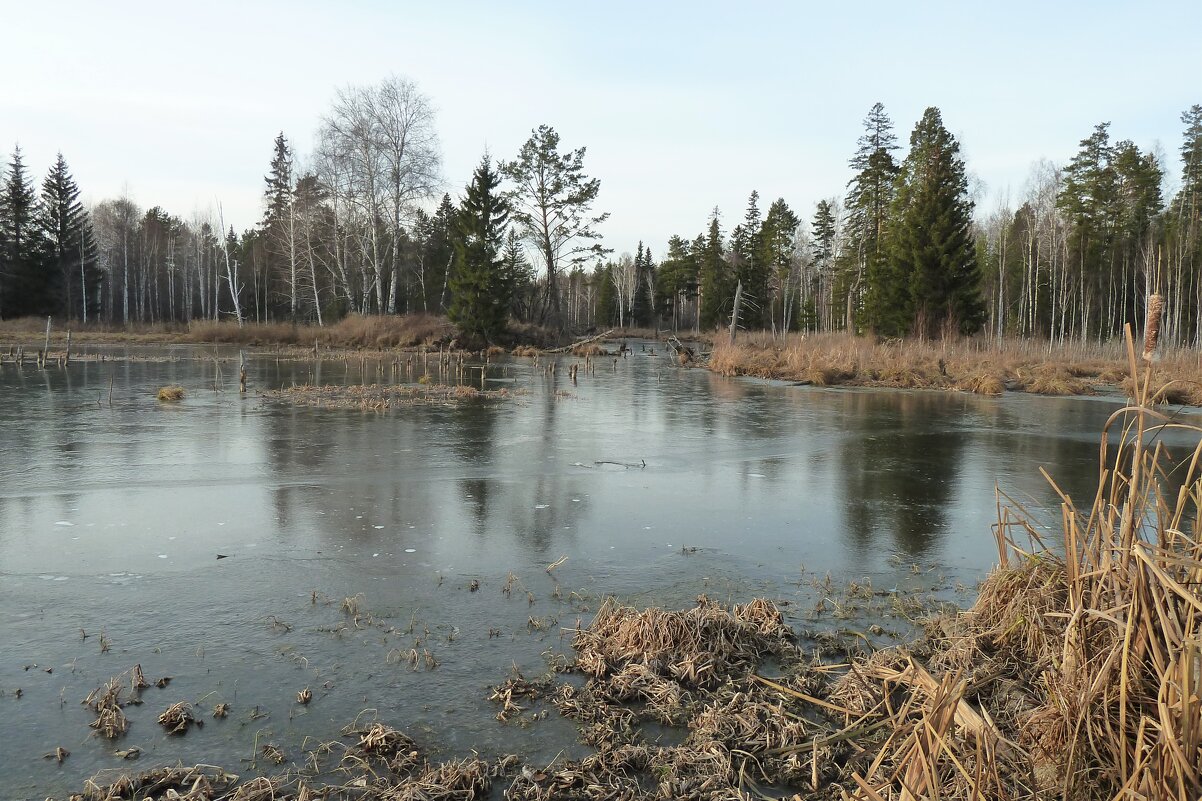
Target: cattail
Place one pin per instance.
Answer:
(1152, 326)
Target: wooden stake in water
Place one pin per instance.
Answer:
(47, 348)
(67, 355)
(242, 371)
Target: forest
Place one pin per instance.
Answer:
(361, 226)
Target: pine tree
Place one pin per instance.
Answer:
(717, 279)
(933, 273)
(481, 287)
(1088, 200)
(552, 201)
(71, 248)
(870, 196)
(28, 287)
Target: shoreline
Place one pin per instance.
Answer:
(977, 366)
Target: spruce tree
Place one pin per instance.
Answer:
(933, 276)
(641, 311)
(717, 279)
(520, 273)
(70, 246)
(676, 278)
(607, 295)
(28, 285)
(750, 269)
(481, 287)
(776, 249)
(870, 195)
(279, 224)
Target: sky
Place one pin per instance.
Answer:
(682, 107)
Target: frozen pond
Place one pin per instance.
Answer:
(655, 482)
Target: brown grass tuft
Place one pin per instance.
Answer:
(171, 393)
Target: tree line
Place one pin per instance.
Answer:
(359, 226)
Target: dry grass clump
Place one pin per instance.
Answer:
(171, 393)
(982, 382)
(108, 700)
(383, 397)
(177, 717)
(589, 349)
(1053, 380)
(698, 647)
(199, 783)
(526, 350)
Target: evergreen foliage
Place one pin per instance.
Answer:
(931, 283)
(482, 288)
(776, 257)
(717, 279)
(642, 313)
(552, 203)
(27, 285)
(72, 275)
(870, 197)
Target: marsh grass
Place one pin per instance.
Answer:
(986, 367)
(171, 393)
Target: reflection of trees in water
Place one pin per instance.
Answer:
(438, 467)
(898, 469)
(472, 427)
(331, 466)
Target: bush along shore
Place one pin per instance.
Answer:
(1077, 674)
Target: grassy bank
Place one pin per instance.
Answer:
(353, 332)
(968, 365)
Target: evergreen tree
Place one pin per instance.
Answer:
(870, 196)
(28, 286)
(279, 224)
(717, 279)
(823, 228)
(641, 312)
(481, 287)
(70, 246)
(747, 254)
(675, 279)
(1088, 201)
(552, 202)
(520, 272)
(776, 254)
(607, 295)
(933, 271)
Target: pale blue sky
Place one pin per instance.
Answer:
(683, 106)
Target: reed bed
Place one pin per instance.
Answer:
(979, 366)
(380, 332)
(383, 397)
